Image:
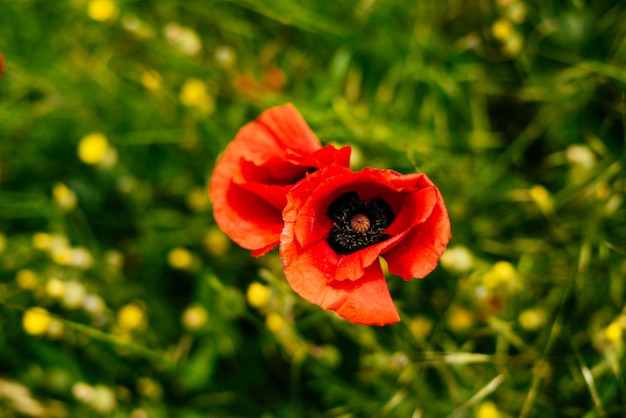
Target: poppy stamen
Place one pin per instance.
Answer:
(357, 223)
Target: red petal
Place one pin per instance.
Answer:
(364, 301)
(273, 195)
(252, 221)
(289, 128)
(419, 252)
(249, 220)
(330, 155)
(410, 209)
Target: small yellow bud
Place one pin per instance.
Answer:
(216, 242)
(62, 256)
(74, 296)
(102, 10)
(26, 279)
(502, 272)
(103, 400)
(517, 12)
(275, 322)
(195, 317)
(94, 304)
(83, 392)
(194, 93)
(81, 258)
(42, 241)
(114, 259)
(458, 259)
(613, 332)
(421, 327)
(198, 199)
(488, 410)
(131, 316)
(92, 148)
(542, 198)
(151, 80)
(55, 288)
(225, 56)
(149, 388)
(180, 258)
(258, 295)
(182, 38)
(3, 243)
(502, 29)
(55, 330)
(65, 197)
(532, 319)
(460, 319)
(36, 321)
(513, 44)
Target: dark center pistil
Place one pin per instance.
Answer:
(360, 223)
(357, 223)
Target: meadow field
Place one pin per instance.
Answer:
(121, 297)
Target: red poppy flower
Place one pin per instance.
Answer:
(337, 224)
(256, 171)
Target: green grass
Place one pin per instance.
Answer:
(523, 134)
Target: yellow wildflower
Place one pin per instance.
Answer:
(103, 400)
(421, 327)
(184, 39)
(258, 295)
(131, 316)
(532, 319)
(194, 93)
(151, 80)
(3, 242)
(74, 296)
(194, 317)
(36, 321)
(225, 56)
(542, 198)
(92, 148)
(114, 259)
(502, 29)
(275, 322)
(65, 197)
(513, 44)
(488, 410)
(198, 199)
(460, 319)
(180, 258)
(613, 332)
(62, 256)
(26, 279)
(458, 259)
(102, 10)
(82, 392)
(149, 388)
(55, 329)
(42, 241)
(55, 288)
(94, 304)
(517, 12)
(216, 242)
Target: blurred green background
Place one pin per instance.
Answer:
(120, 297)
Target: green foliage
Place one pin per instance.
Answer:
(516, 110)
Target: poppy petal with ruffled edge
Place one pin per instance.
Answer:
(337, 224)
(258, 168)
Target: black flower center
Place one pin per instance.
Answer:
(357, 223)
